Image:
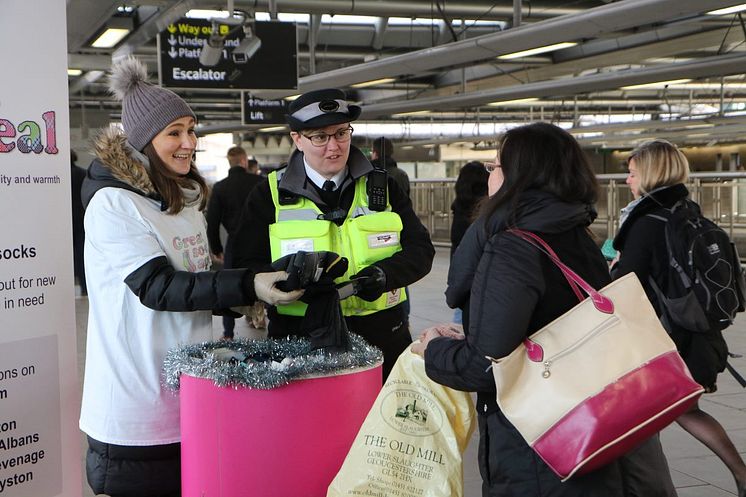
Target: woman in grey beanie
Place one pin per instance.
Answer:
(150, 287)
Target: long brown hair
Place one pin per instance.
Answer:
(169, 184)
(544, 157)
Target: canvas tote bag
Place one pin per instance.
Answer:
(596, 381)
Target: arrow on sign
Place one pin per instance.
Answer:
(171, 28)
(173, 53)
(172, 40)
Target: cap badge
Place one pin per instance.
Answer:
(328, 106)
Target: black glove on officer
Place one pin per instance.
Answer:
(371, 283)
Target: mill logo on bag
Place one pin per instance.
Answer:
(412, 413)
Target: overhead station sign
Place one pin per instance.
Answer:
(262, 111)
(274, 66)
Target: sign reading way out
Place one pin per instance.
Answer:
(273, 67)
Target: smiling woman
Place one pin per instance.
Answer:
(175, 145)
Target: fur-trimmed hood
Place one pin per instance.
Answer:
(117, 165)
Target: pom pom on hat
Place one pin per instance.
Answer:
(125, 77)
(146, 109)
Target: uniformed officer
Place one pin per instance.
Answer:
(330, 197)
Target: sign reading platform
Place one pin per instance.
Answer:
(260, 111)
(274, 66)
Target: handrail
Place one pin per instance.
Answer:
(611, 176)
(721, 194)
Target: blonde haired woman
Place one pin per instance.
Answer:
(657, 173)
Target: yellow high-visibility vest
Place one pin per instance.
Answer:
(363, 238)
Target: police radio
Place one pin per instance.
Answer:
(377, 183)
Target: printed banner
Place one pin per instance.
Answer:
(40, 451)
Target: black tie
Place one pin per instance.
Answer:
(328, 186)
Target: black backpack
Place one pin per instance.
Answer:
(704, 287)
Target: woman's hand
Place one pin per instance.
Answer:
(449, 330)
(267, 291)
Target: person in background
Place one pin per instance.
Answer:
(540, 182)
(321, 201)
(226, 203)
(253, 167)
(382, 155)
(77, 175)
(471, 189)
(150, 288)
(657, 173)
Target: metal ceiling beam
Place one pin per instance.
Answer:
(659, 125)
(380, 25)
(587, 24)
(85, 17)
(414, 8)
(709, 66)
(150, 29)
(720, 132)
(660, 41)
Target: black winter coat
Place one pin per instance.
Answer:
(514, 290)
(226, 203)
(641, 242)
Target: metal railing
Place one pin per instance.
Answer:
(722, 196)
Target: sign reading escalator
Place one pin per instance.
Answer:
(273, 66)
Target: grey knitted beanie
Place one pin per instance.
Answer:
(146, 108)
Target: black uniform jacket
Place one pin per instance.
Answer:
(250, 242)
(226, 203)
(158, 285)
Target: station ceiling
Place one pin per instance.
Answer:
(629, 69)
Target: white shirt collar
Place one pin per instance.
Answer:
(319, 180)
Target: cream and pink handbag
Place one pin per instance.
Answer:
(596, 381)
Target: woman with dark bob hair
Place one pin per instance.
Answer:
(541, 182)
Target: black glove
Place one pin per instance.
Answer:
(372, 283)
(307, 268)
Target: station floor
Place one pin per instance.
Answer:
(696, 471)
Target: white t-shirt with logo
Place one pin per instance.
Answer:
(124, 399)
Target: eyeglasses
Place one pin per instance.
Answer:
(491, 166)
(320, 139)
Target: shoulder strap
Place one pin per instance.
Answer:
(601, 302)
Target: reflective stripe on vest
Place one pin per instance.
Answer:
(363, 238)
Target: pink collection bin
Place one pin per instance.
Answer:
(286, 442)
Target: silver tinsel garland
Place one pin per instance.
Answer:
(263, 364)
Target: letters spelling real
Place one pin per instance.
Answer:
(31, 139)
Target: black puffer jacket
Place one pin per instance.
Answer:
(641, 242)
(514, 290)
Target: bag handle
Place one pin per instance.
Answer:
(600, 302)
